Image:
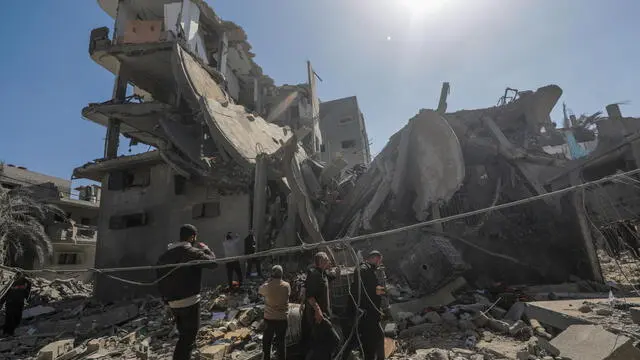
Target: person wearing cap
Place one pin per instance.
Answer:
(369, 302)
(233, 247)
(276, 294)
(14, 303)
(180, 286)
(250, 247)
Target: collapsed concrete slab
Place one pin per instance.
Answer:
(591, 342)
(240, 134)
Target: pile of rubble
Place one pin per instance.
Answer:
(69, 327)
(45, 291)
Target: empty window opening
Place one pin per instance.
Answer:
(68, 259)
(118, 222)
(348, 144)
(179, 184)
(206, 210)
(121, 180)
(345, 121)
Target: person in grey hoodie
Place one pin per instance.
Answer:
(233, 246)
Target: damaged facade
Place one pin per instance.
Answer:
(74, 238)
(344, 132)
(234, 152)
(198, 100)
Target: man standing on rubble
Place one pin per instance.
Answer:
(232, 247)
(276, 294)
(369, 303)
(317, 332)
(14, 303)
(180, 286)
(250, 247)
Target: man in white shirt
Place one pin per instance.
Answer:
(233, 246)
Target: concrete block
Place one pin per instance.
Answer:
(55, 349)
(391, 329)
(592, 342)
(635, 314)
(441, 297)
(214, 352)
(515, 312)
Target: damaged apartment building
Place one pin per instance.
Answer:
(233, 152)
(217, 126)
(74, 238)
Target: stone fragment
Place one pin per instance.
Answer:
(433, 317)
(466, 325)
(515, 312)
(437, 354)
(251, 346)
(585, 308)
(481, 319)
(477, 357)
(591, 342)
(522, 355)
(464, 352)
(498, 326)
(247, 316)
(214, 352)
(55, 349)
(391, 329)
(449, 318)
(7, 345)
(232, 325)
(539, 329)
(547, 347)
(604, 312)
(488, 336)
(497, 312)
(417, 320)
(635, 314)
(516, 327)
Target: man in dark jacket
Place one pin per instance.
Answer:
(317, 330)
(180, 286)
(250, 247)
(14, 303)
(369, 303)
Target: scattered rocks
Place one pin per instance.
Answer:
(585, 308)
(604, 312)
(433, 317)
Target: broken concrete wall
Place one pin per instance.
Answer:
(165, 212)
(341, 121)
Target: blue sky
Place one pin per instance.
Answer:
(393, 55)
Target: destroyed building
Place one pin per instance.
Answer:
(74, 238)
(611, 208)
(197, 100)
(344, 132)
(198, 96)
(443, 164)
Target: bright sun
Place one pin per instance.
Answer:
(421, 7)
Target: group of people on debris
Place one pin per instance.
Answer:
(180, 287)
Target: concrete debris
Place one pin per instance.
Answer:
(45, 291)
(590, 342)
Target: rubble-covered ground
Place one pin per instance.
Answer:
(625, 270)
(62, 318)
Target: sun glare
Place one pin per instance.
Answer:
(422, 7)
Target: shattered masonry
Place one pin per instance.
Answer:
(233, 152)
